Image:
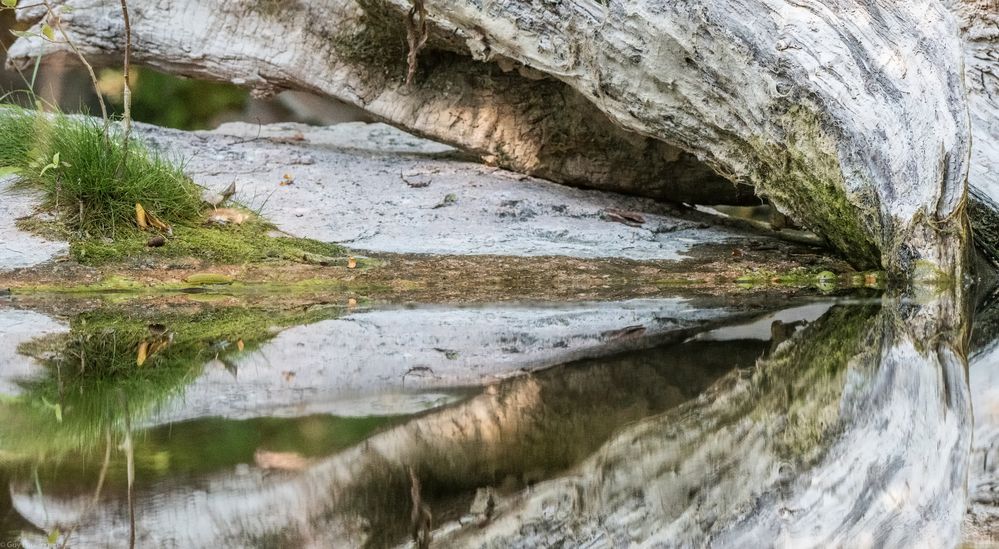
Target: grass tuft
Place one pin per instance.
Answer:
(93, 182)
(89, 178)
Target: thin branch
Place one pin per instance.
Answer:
(127, 90)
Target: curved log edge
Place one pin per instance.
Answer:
(855, 124)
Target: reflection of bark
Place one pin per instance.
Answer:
(856, 431)
(513, 435)
(408, 352)
(982, 521)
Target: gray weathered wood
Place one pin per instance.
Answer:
(850, 115)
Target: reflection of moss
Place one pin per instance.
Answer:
(803, 380)
(94, 372)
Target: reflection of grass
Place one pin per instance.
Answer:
(94, 375)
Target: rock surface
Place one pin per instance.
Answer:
(372, 187)
(19, 248)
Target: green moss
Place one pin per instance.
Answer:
(377, 39)
(251, 242)
(803, 177)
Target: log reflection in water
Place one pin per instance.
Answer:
(514, 434)
(854, 430)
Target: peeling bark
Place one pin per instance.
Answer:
(850, 115)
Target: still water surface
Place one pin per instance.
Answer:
(677, 422)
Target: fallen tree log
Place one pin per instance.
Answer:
(850, 116)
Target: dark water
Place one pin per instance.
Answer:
(851, 421)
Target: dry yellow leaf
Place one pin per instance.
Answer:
(140, 216)
(157, 223)
(225, 216)
(158, 345)
(141, 358)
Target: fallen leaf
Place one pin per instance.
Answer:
(140, 216)
(157, 223)
(449, 199)
(286, 461)
(633, 219)
(625, 333)
(140, 359)
(159, 344)
(418, 178)
(226, 216)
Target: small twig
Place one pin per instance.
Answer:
(97, 491)
(129, 467)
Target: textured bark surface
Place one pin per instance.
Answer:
(979, 21)
(535, 125)
(849, 115)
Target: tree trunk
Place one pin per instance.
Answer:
(849, 115)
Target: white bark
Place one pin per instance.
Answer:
(849, 114)
(979, 21)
